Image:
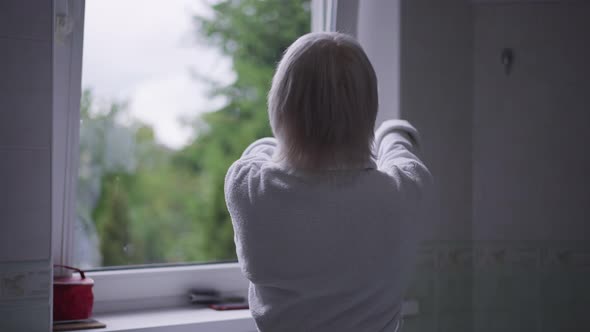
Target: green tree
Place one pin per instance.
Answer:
(254, 34)
(106, 156)
(129, 192)
(151, 204)
(112, 218)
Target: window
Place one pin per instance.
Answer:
(172, 92)
(222, 108)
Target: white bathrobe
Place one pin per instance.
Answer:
(329, 250)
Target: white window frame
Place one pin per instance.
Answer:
(134, 288)
(67, 64)
(322, 12)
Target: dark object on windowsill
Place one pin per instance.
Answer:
(72, 325)
(203, 292)
(209, 297)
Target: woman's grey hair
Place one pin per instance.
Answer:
(323, 102)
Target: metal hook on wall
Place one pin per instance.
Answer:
(507, 59)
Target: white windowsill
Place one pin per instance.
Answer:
(192, 319)
(178, 320)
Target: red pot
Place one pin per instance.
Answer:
(72, 296)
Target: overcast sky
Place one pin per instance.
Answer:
(143, 51)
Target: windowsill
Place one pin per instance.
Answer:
(177, 320)
(193, 319)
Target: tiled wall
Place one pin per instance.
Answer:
(25, 164)
(502, 286)
(505, 152)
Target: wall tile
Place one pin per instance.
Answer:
(422, 289)
(454, 291)
(24, 295)
(25, 120)
(24, 280)
(29, 316)
(565, 320)
(25, 234)
(27, 285)
(486, 291)
(524, 320)
(420, 323)
(37, 13)
(503, 286)
(455, 322)
(25, 204)
(25, 179)
(582, 289)
(25, 164)
(557, 288)
(454, 256)
(25, 65)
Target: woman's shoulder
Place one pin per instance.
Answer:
(250, 176)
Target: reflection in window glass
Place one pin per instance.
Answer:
(173, 91)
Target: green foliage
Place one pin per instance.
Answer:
(254, 34)
(112, 216)
(163, 205)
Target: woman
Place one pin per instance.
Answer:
(325, 214)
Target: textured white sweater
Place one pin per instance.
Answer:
(330, 250)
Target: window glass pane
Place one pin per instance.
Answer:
(173, 91)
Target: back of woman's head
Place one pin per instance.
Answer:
(323, 102)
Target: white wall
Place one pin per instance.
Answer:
(25, 164)
(508, 153)
(530, 166)
(436, 96)
(421, 51)
(531, 126)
